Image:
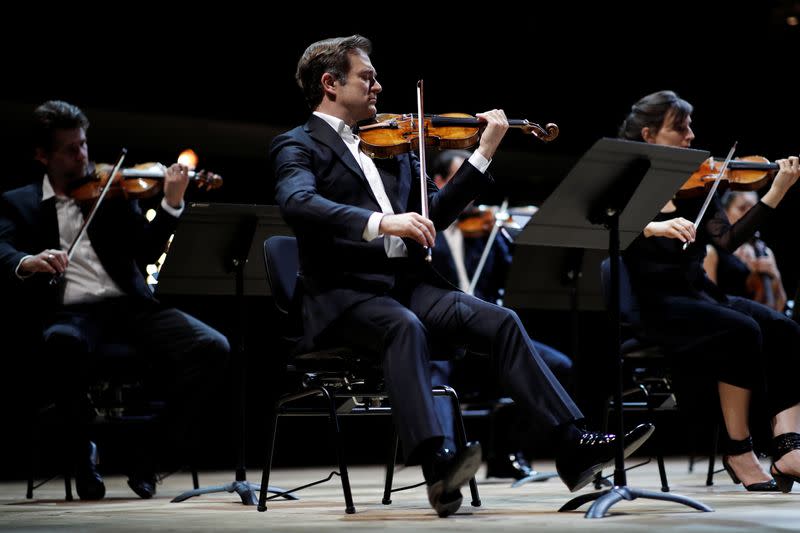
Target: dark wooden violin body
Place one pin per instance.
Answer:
(140, 181)
(747, 173)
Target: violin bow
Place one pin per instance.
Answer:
(713, 190)
(486, 249)
(88, 219)
(423, 174)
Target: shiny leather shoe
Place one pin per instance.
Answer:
(88, 482)
(595, 451)
(447, 473)
(143, 485)
(738, 447)
(511, 465)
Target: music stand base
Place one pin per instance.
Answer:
(534, 477)
(246, 491)
(605, 499)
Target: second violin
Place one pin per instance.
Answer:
(141, 181)
(392, 134)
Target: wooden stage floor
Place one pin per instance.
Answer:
(321, 508)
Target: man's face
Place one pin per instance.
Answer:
(358, 94)
(69, 157)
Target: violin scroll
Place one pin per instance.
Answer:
(545, 134)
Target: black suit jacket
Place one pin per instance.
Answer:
(122, 238)
(326, 199)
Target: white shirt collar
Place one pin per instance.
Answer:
(338, 125)
(47, 189)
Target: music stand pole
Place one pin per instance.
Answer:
(248, 492)
(619, 185)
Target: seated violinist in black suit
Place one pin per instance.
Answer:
(102, 295)
(458, 254)
(365, 282)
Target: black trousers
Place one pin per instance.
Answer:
(184, 357)
(400, 326)
(737, 341)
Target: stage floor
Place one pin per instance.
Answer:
(321, 508)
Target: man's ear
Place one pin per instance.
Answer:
(648, 136)
(328, 81)
(41, 156)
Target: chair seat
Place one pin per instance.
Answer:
(637, 349)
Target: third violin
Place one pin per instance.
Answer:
(748, 173)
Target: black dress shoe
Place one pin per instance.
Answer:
(447, 473)
(593, 452)
(511, 465)
(88, 482)
(143, 485)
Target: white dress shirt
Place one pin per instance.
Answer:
(455, 240)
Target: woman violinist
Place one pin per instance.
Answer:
(750, 271)
(747, 348)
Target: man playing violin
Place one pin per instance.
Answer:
(102, 296)
(364, 281)
(746, 348)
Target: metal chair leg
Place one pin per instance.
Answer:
(461, 436)
(387, 487)
(334, 424)
(262, 497)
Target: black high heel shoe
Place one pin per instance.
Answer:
(783, 444)
(738, 447)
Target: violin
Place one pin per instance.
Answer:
(141, 181)
(760, 286)
(747, 173)
(392, 134)
(478, 221)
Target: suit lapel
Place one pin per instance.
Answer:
(45, 219)
(320, 131)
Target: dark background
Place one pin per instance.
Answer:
(221, 81)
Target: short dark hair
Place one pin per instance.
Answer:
(329, 55)
(55, 115)
(650, 112)
(441, 163)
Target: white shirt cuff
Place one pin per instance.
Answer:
(371, 231)
(478, 161)
(16, 270)
(171, 210)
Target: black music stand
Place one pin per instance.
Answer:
(608, 197)
(212, 253)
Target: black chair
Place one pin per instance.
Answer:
(647, 367)
(349, 383)
(118, 397)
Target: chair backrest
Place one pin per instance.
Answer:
(628, 304)
(282, 264)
